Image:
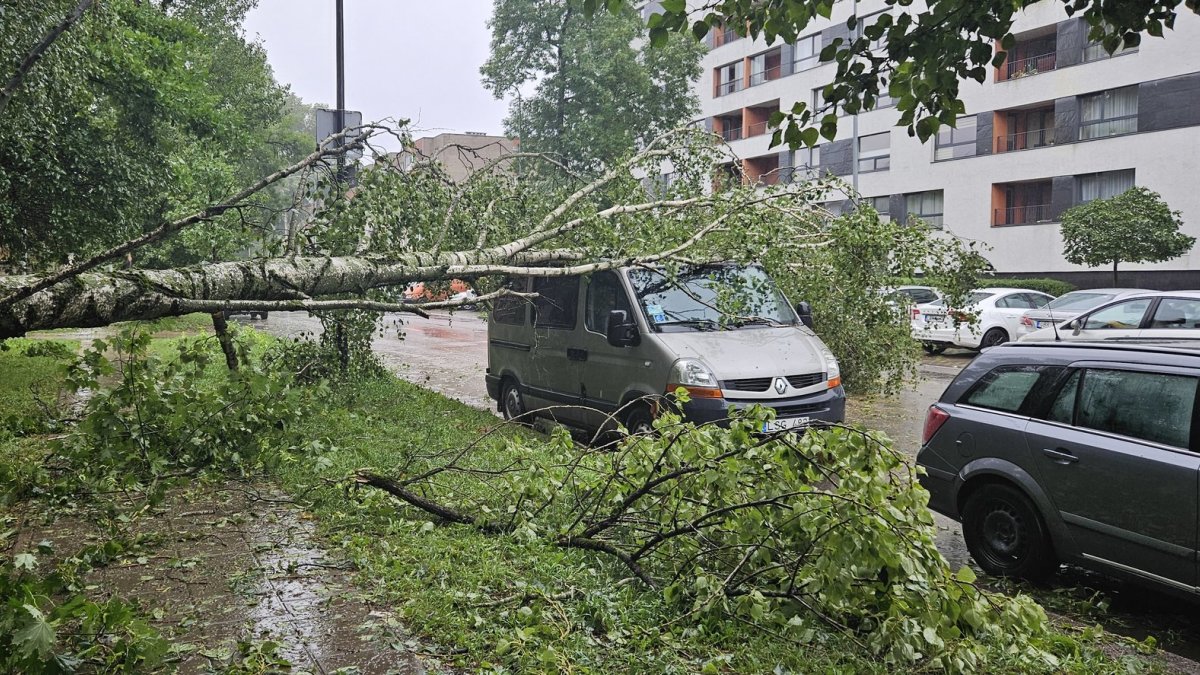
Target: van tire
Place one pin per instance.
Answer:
(640, 420)
(1005, 534)
(512, 404)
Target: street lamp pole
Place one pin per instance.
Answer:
(339, 114)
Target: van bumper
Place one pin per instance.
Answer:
(828, 406)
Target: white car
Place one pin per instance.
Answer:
(1070, 305)
(991, 317)
(1165, 315)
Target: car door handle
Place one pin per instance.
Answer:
(576, 354)
(1060, 456)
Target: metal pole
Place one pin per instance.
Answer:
(854, 131)
(339, 115)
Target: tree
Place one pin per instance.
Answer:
(1134, 226)
(927, 54)
(133, 113)
(599, 89)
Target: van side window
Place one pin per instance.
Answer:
(508, 309)
(1007, 387)
(604, 294)
(555, 305)
(1154, 407)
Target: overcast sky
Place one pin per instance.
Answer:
(415, 59)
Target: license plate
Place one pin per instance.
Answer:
(1040, 324)
(935, 318)
(785, 424)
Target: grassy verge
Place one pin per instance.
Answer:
(32, 400)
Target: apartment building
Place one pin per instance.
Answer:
(1060, 123)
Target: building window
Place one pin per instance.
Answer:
(1094, 51)
(927, 206)
(807, 158)
(953, 143)
(874, 152)
(1104, 185)
(1108, 113)
(806, 53)
(765, 67)
(883, 205)
(879, 44)
(729, 78)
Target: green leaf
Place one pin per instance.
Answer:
(37, 637)
(966, 575)
(24, 561)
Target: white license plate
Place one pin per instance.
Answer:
(1040, 324)
(935, 318)
(785, 424)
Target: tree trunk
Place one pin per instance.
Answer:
(222, 330)
(99, 299)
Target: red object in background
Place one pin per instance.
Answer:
(417, 292)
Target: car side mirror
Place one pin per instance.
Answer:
(1076, 325)
(804, 311)
(621, 330)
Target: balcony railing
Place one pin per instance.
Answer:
(1023, 215)
(756, 129)
(761, 76)
(732, 134)
(1026, 140)
(1029, 66)
(729, 87)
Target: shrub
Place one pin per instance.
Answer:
(1052, 286)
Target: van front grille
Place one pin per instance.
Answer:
(749, 384)
(802, 381)
(803, 409)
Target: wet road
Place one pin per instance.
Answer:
(448, 354)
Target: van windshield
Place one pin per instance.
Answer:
(711, 298)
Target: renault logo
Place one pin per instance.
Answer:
(780, 385)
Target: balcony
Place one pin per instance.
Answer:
(1029, 56)
(1023, 215)
(732, 134)
(766, 75)
(756, 129)
(1025, 140)
(1032, 65)
(726, 88)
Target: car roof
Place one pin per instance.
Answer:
(1111, 291)
(1000, 289)
(1181, 346)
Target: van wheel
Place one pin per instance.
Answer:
(1005, 534)
(995, 336)
(512, 404)
(640, 421)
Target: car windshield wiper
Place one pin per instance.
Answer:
(698, 324)
(757, 321)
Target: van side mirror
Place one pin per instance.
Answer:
(804, 311)
(621, 330)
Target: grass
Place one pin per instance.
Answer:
(31, 401)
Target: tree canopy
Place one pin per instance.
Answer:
(139, 113)
(1134, 226)
(926, 56)
(598, 89)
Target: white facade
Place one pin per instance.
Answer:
(980, 190)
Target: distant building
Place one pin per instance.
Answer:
(460, 155)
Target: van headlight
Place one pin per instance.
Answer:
(694, 376)
(833, 372)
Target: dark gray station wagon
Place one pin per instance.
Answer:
(1080, 453)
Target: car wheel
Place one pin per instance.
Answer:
(1005, 534)
(933, 349)
(262, 315)
(512, 404)
(995, 336)
(640, 420)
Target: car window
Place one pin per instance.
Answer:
(924, 295)
(1063, 409)
(510, 309)
(1080, 300)
(1006, 388)
(1036, 300)
(1176, 313)
(554, 307)
(1126, 314)
(1151, 406)
(604, 294)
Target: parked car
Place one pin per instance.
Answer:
(591, 348)
(990, 318)
(1070, 305)
(1080, 453)
(914, 295)
(1150, 315)
(252, 313)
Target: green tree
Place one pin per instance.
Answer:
(1134, 226)
(141, 111)
(598, 89)
(927, 54)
